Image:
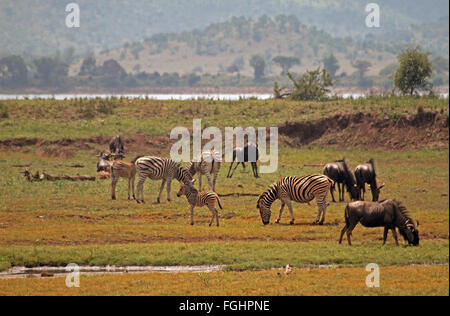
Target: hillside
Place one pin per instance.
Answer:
(37, 26)
(232, 43)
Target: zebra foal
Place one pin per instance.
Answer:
(157, 168)
(200, 199)
(209, 164)
(298, 189)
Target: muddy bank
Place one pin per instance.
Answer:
(54, 272)
(426, 129)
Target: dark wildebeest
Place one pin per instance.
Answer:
(116, 147)
(365, 173)
(340, 173)
(389, 214)
(241, 155)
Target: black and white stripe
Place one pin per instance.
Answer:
(209, 164)
(164, 169)
(298, 189)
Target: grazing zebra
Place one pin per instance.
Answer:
(366, 173)
(200, 199)
(209, 163)
(243, 155)
(157, 168)
(116, 169)
(298, 189)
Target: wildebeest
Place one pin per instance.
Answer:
(390, 214)
(366, 173)
(241, 155)
(116, 146)
(339, 172)
(104, 163)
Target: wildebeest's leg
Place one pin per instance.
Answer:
(281, 212)
(114, 179)
(169, 183)
(394, 232)
(342, 233)
(332, 189)
(349, 233)
(255, 169)
(339, 190)
(364, 190)
(385, 234)
(231, 165)
(158, 200)
(129, 188)
(243, 165)
(132, 186)
(234, 170)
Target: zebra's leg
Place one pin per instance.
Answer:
(140, 190)
(214, 215)
(394, 232)
(200, 181)
(289, 204)
(158, 200)
(255, 169)
(324, 211)
(281, 212)
(192, 214)
(208, 176)
(169, 183)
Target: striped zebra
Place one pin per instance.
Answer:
(298, 189)
(200, 199)
(157, 168)
(208, 165)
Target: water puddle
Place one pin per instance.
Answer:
(54, 272)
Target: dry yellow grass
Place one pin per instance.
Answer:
(413, 280)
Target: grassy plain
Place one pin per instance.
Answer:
(56, 223)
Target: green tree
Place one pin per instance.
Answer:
(286, 63)
(13, 71)
(258, 63)
(362, 67)
(331, 65)
(313, 85)
(414, 71)
(89, 67)
(51, 71)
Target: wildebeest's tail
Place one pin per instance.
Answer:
(346, 216)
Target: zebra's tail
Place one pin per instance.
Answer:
(218, 201)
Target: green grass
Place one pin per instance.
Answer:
(236, 255)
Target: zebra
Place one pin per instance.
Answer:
(209, 163)
(116, 169)
(157, 168)
(200, 199)
(299, 189)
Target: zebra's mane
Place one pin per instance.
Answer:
(183, 174)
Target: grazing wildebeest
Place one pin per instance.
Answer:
(116, 147)
(366, 173)
(241, 155)
(340, 173)
(390, 214)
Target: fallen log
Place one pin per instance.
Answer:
(47, 177)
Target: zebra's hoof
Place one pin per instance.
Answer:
(321, 223)
(291, 223)
(277, 222)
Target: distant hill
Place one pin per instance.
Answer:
(38, 26)
(219, 46)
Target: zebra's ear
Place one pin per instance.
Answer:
(381, 186)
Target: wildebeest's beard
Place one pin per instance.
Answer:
(411, 235)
